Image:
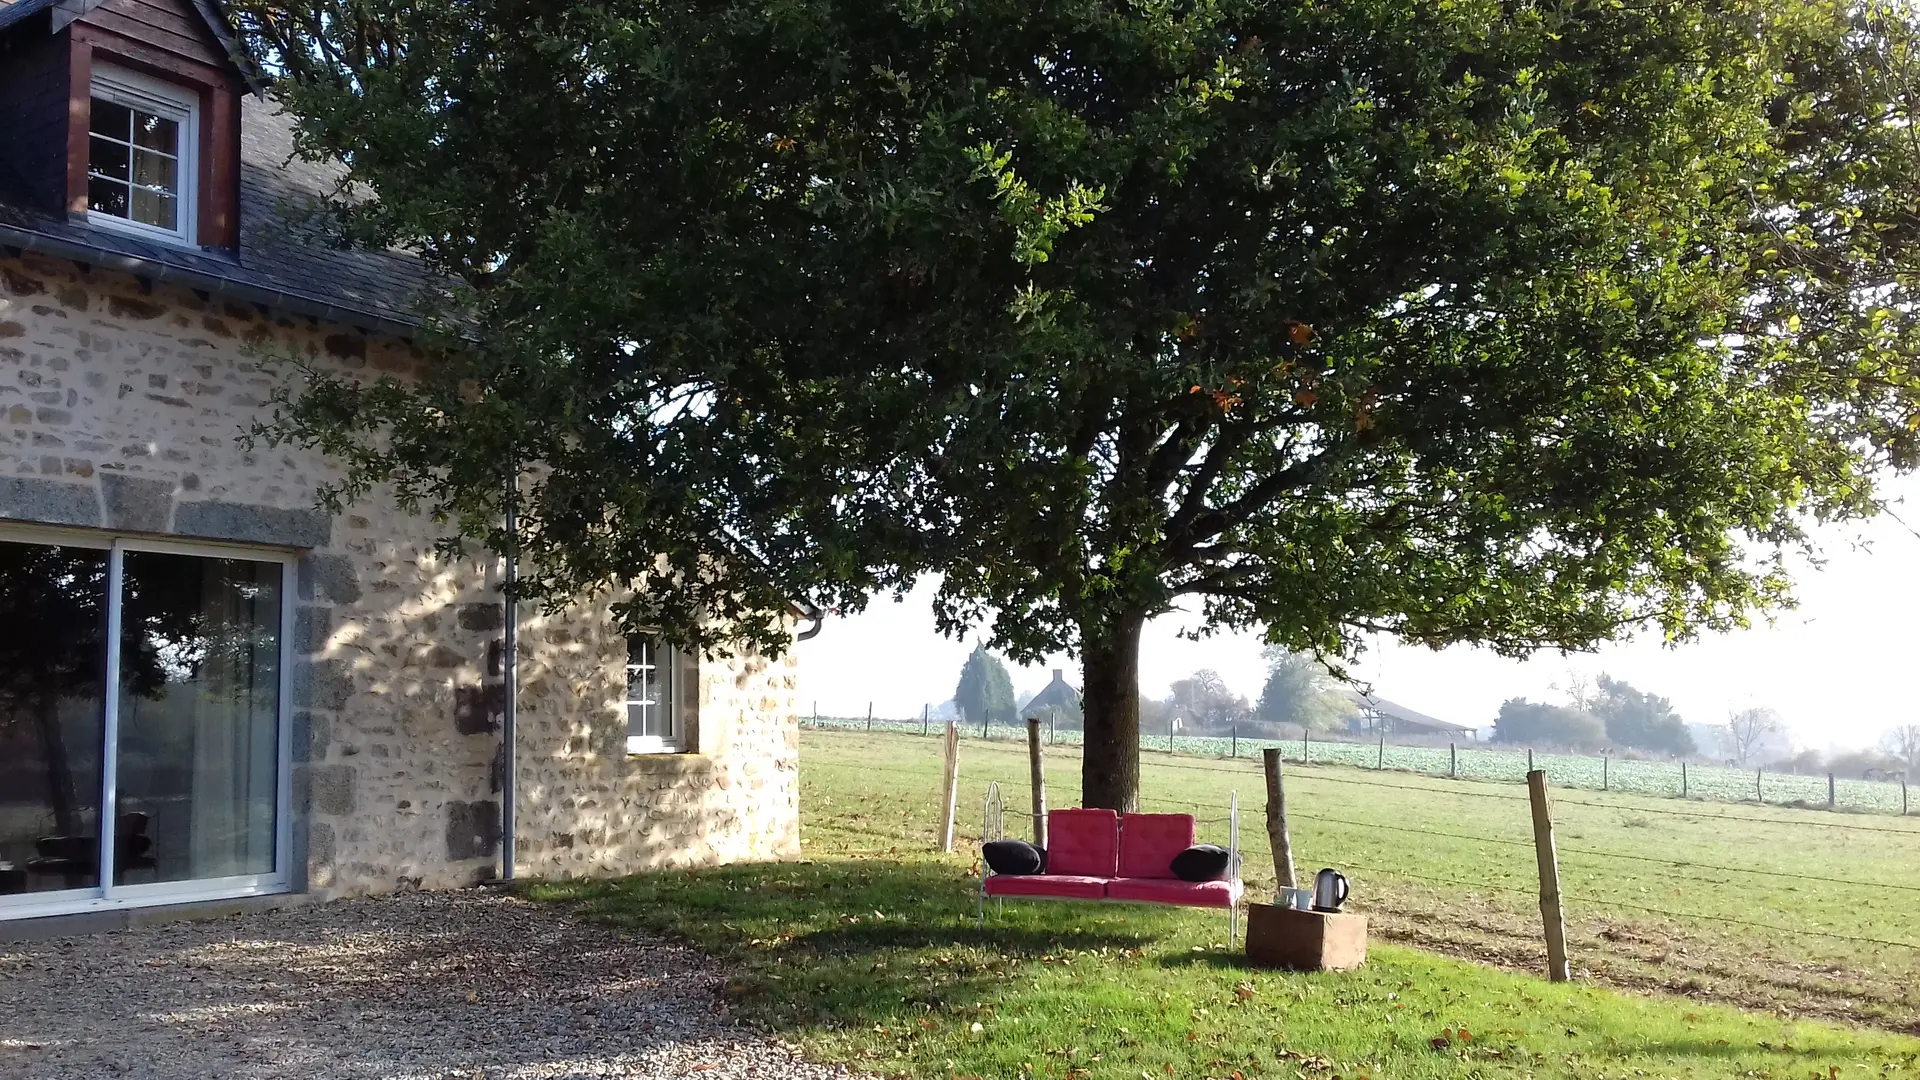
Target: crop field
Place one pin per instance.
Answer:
(1801, 912)
(1474, 761)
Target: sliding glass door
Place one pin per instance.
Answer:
(53, 677)
(188, 750)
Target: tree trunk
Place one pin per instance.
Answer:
(60, 791)
(1110, 663)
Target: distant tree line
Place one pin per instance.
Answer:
(1607, 713)
(1611, 713)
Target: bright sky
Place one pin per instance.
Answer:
(1841, 668)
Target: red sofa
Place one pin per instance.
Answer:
(1123, 858)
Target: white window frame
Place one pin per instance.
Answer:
(106, 895)
(178, 103)
(666, 660)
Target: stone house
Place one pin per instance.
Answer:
(211, 691)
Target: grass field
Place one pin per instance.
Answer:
(866, 951)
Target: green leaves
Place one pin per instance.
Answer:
(1037, 221)
(1601, 304)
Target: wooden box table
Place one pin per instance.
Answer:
(1305, 940)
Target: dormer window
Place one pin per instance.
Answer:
(141, 171)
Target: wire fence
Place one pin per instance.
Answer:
(1503, 765)
(1773, 908)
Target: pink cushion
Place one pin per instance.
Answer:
(1174, 891)
(1083, 842)
(1064, 885)
(1148, 843)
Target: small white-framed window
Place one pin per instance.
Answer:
(142, 172)
(652, 722)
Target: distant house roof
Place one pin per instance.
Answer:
(1056, 695)
(1400, 713)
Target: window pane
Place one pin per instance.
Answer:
(106, 118)
(53, 665)
(156, 133)
(153, 209)
(663, 695)
(106, 197)
(155, 170)
(199, 717)
(107, 158)
(649, 687)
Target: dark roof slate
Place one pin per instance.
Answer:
(1057, 694)
(284, 260)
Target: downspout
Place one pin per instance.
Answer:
(510, 685)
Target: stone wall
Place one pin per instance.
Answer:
(121, 408)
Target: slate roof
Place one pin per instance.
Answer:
(1057, 694)
(284, 261)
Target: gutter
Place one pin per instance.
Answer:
(166, 273)
(810, 610)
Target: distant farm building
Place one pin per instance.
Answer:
(1377, 715)
(1059, 699)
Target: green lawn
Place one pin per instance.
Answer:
(867, 951)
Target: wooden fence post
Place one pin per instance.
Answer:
(869, 717)
(1829, 791)
(926, 714)
(1683, 779)
(1039, 779)
(1277, 822)
(1759, 796)
(1549, 859)
(1453, 761)
(1381, 761)
(1529, 760)
(952, 787)
(1903, 795)
(1303, 744)
(1605, 765)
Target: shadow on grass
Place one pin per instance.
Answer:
(847, 942)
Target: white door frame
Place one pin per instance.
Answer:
(107, 895)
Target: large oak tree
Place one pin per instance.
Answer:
(1524, 324)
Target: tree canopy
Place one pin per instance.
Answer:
(1516, 324)
(1299, 690)
(1539, 723)
(1747, 730)
(985, 692)
(1640, 720)
(1205, 703)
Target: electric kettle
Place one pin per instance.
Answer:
(1329, 890)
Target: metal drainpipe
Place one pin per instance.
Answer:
(510, 678)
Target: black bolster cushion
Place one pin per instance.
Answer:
(1014, 857)
(1201, 862)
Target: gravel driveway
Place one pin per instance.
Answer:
(413, 986)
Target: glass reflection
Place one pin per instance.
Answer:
(199, 717)
(53, 662)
